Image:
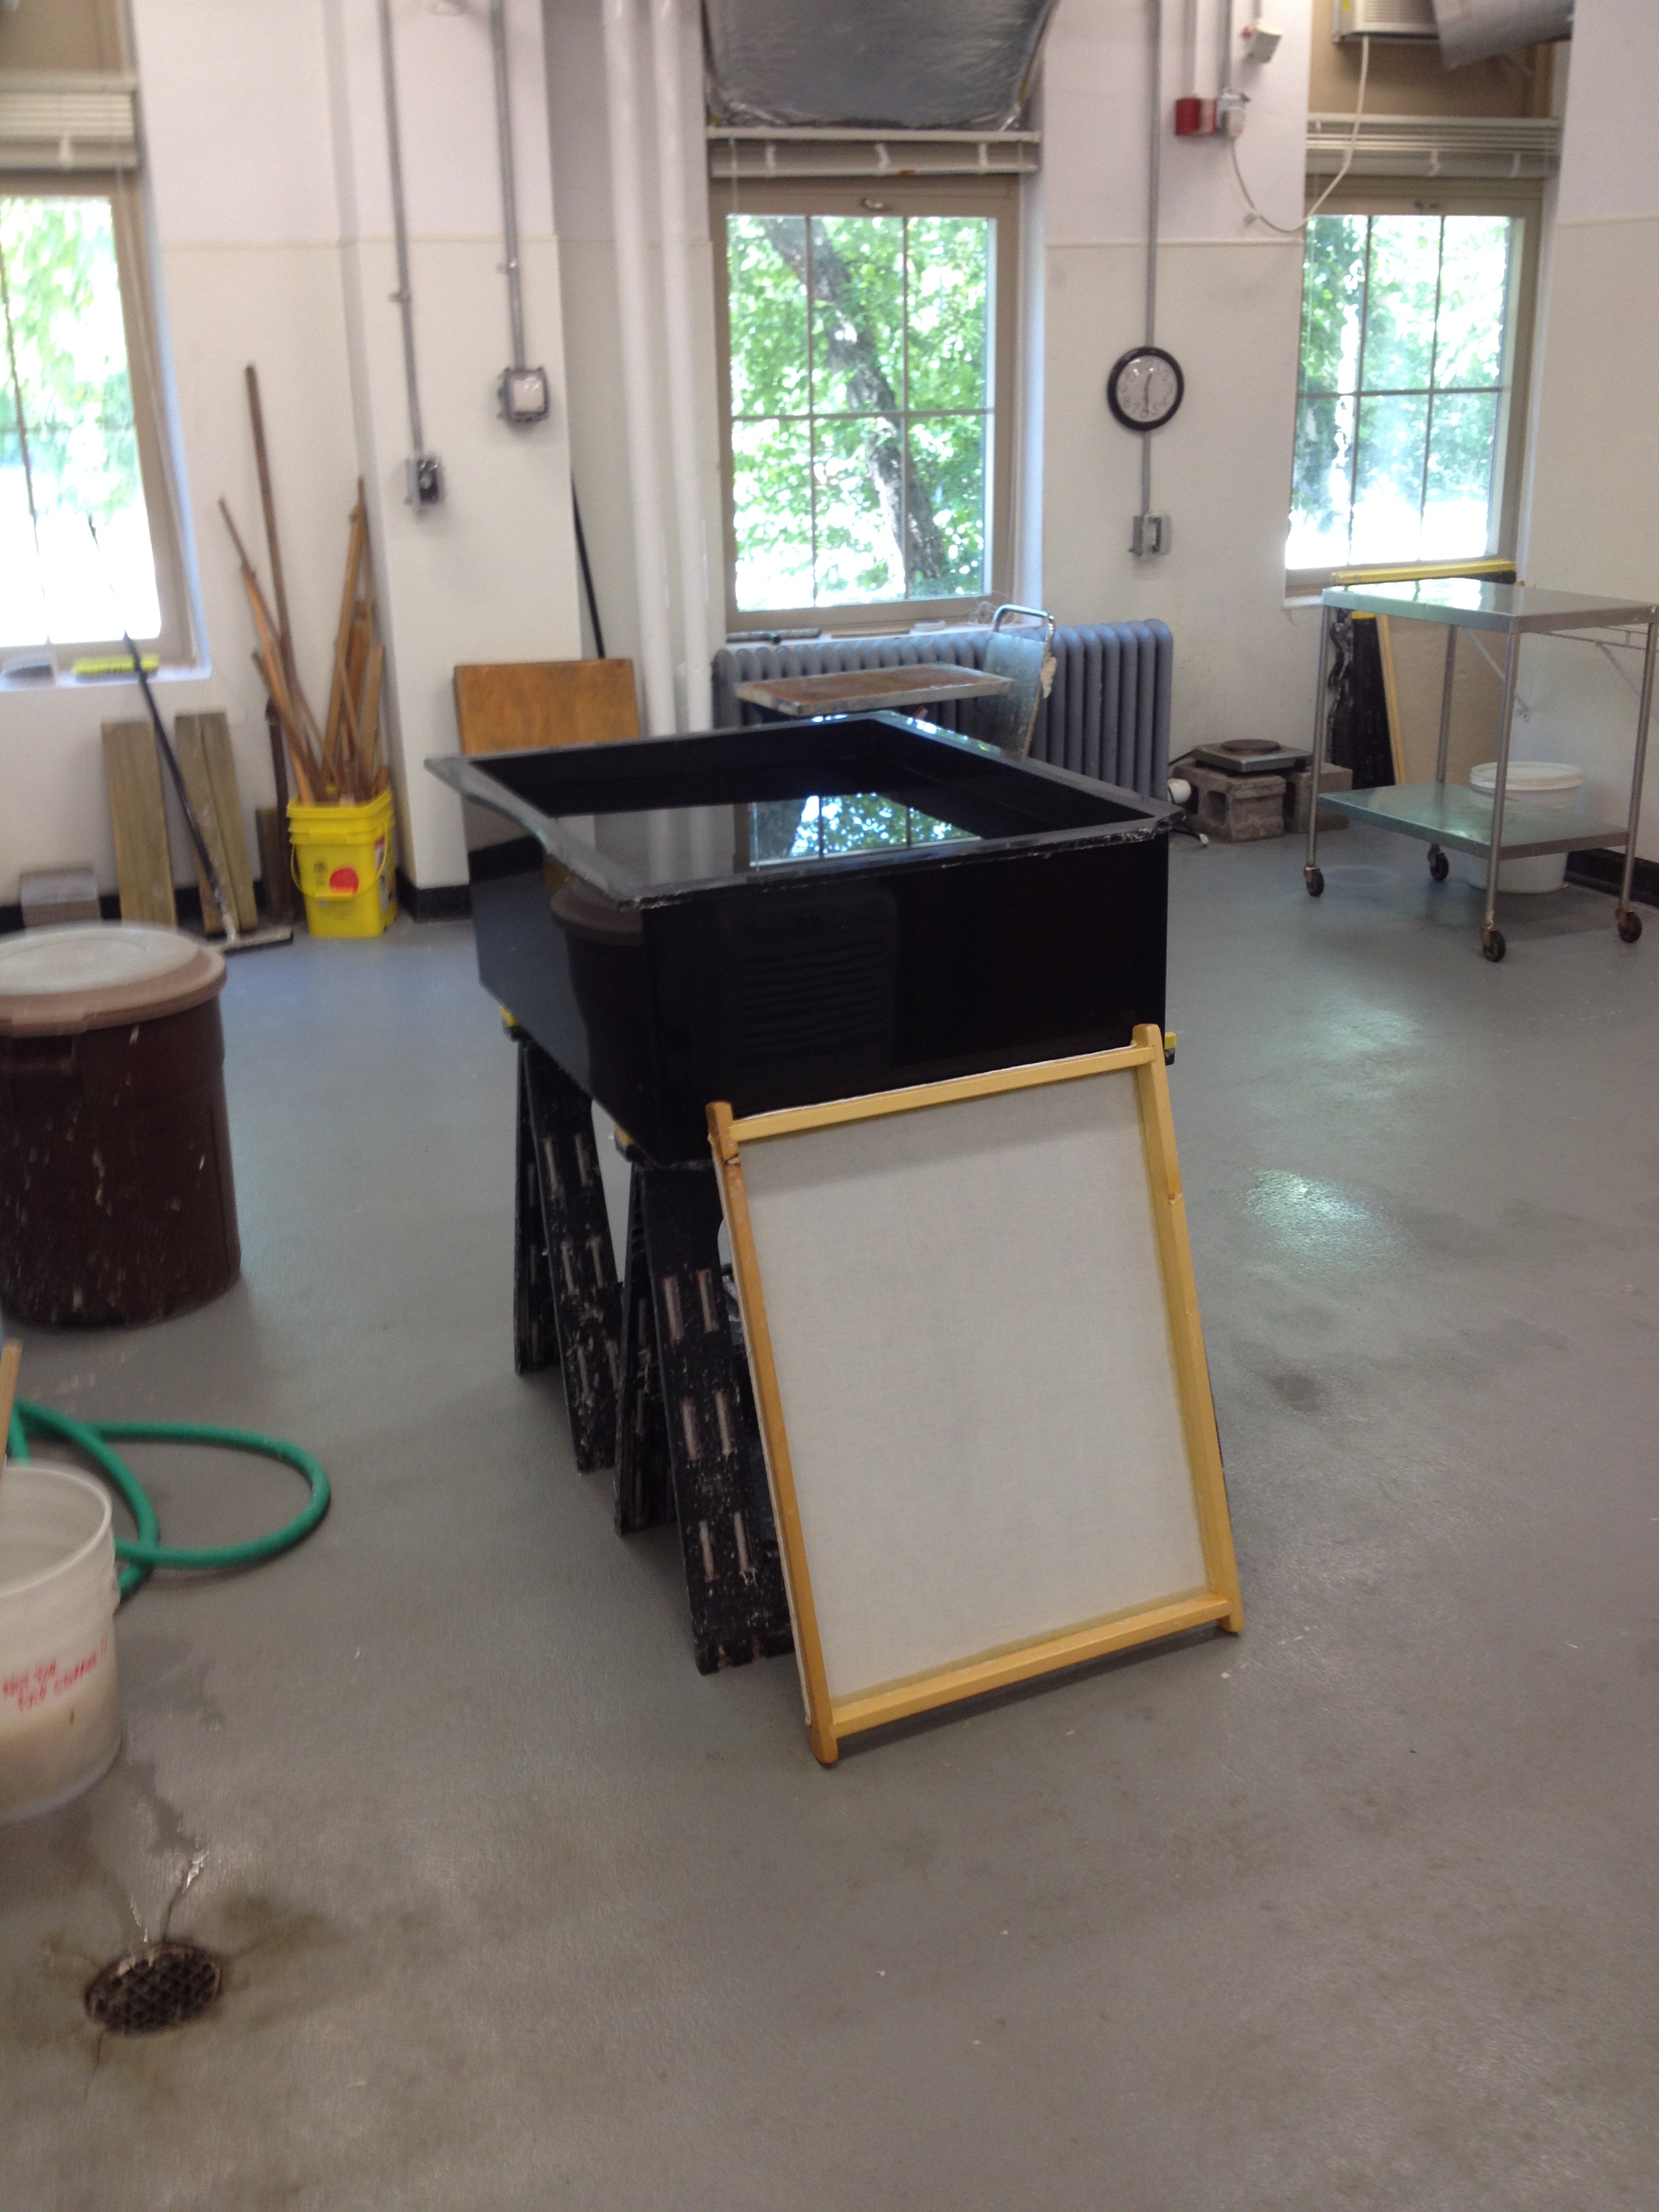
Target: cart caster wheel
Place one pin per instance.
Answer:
(1493, 944)
(1315, 879)
(1439, 865)
(1630, 926)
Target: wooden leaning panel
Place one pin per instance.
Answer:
(517, 706)
(835, 1711)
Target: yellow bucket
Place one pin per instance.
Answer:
(344, 862)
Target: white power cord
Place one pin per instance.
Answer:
(1296, 229)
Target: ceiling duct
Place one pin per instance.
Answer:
(1473, 30)
(904, 64)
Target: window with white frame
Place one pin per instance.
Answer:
(89, 542)
(1409, 413)
(867, 335)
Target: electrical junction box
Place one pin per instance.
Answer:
(1149, 533)
(1383, 19)
(1260, 41)
(424, 480)
(524, 395)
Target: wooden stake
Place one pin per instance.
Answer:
(267, 501)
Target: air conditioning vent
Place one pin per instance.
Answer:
(1382, 18)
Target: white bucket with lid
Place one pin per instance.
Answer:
(60, 1711)
(1549, 785)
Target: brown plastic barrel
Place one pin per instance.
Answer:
(117, 1201)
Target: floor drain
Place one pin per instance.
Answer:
(163, 1986)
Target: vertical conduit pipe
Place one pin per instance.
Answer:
(628, 222)
(1154, 161)
(404, 295)
(509, 186)
(679, 332)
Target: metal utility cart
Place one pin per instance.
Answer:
(1464, 821)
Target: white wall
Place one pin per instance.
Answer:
(1595, 463)
(1228, 304)
(582, 177)
(266, 170)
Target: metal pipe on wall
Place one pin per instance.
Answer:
(1154, 189)
(404, 295)
(680, 351)
(509, 187)
(634, 320)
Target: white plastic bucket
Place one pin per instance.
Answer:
(1551, 785)
(60, 1710)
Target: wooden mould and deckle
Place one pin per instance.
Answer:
(974, 1339)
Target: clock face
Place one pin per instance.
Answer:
(1145, 388)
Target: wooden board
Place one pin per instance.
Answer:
(867, 691)
(144, 865)
(517, 706)
(210, 773)
(974, 1335)
(1415, 652)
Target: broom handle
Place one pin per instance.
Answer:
(200, 842)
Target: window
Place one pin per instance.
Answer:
(867, 334)
(81, 437)
(1414, 326)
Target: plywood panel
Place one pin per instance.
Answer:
(143, 865)
(210, 773)
(1418, 651)
(516, 705)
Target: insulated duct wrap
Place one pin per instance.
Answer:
(900, 64)
(1473, 30)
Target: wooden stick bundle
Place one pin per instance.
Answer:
(341, 762)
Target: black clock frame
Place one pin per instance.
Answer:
(1141, 353)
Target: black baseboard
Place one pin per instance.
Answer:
(450, 901)
(1604, 870)
(436, 902)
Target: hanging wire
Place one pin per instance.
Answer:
(1296, 229)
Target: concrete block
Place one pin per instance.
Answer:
(1296, 787)
(1238, 808)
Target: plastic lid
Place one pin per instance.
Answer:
(97, 974)
(1528, 776)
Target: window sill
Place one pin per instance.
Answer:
(41, 686)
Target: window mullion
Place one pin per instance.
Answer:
(1434, 365)
(812, 421)
(904, 404)
(1359, 378)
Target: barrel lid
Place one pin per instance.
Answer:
(97, 974)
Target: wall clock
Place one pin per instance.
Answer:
(1145, 388)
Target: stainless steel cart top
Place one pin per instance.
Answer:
(1465, 603)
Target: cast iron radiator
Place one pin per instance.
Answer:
(1108, 714)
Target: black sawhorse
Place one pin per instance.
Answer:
(655, 1376)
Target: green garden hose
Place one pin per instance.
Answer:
(145, 1549)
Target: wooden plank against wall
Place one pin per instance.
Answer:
(209, 773)
(143, 865)
(203, 744)
(512, 706)
(1418, 657)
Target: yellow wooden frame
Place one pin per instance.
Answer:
(829, 1721)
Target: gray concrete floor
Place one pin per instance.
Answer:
(1354, 1911)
